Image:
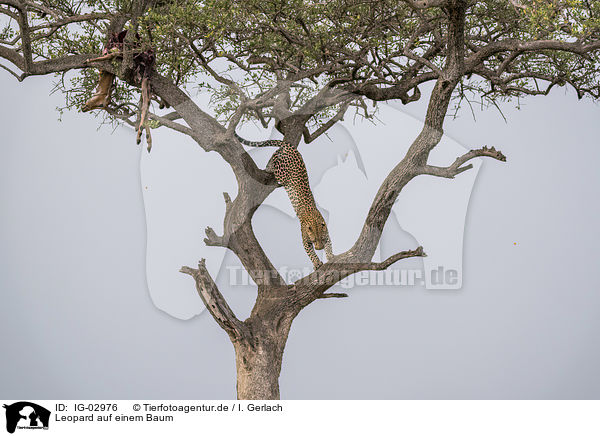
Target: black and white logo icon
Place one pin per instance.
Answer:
(26, 415)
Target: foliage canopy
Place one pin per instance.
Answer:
(241, 50)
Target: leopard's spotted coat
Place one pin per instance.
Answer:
(290, 172)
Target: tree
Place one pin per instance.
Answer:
(301, 65)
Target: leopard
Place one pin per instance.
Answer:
(289, 170)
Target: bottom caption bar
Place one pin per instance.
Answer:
(299, 417)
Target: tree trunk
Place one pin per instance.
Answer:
(257, 373)
(258, 361)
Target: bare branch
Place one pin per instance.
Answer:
(13, 57)
(514, 45)
(216, 303)
(457, 167)
(212, 239)
(315, 284)
(333, 295)
(379, 266)
(19, 77)
(398, 91)
(165, 121)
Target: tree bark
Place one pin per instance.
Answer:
(259, 354)
(258, 370)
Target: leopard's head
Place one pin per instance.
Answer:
(314, 227)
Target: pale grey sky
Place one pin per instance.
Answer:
(78, 321)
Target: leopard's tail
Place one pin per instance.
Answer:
(269, 143)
